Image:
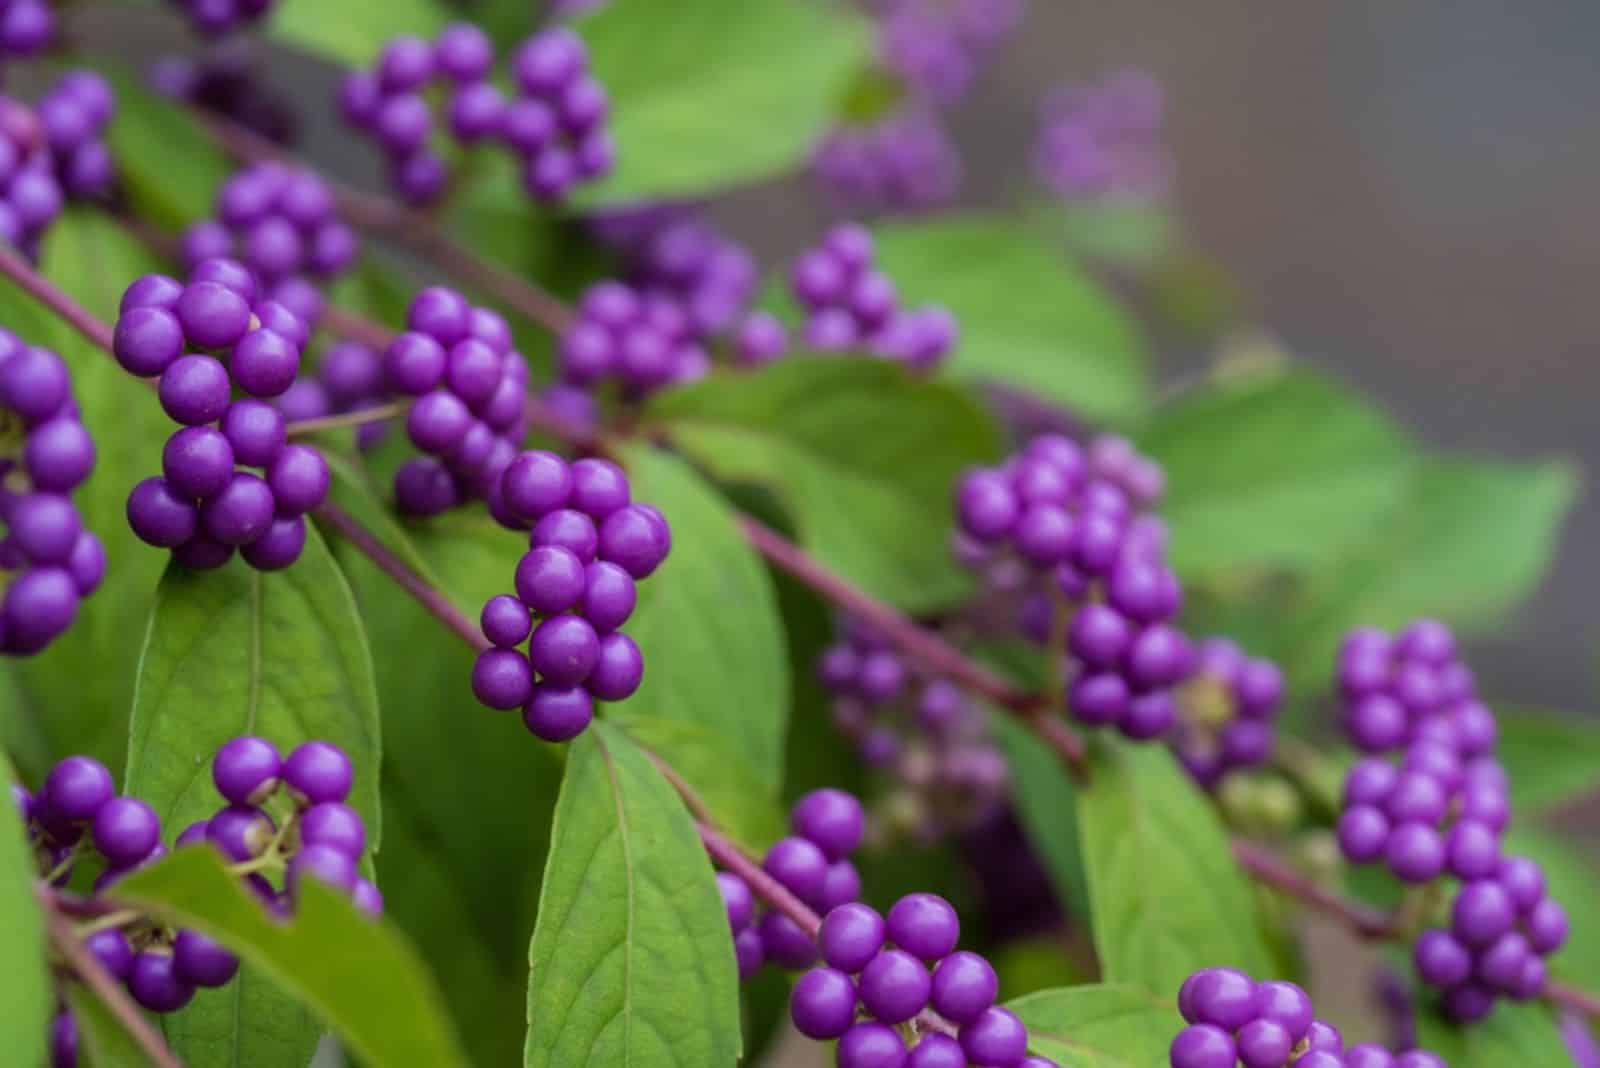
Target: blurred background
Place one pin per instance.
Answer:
(1398, 194)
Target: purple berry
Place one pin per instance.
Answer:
(505, 621)
(502, 678)
(894, 986)
(871, 1045)
(299, 479)
(823, 1004)
(146, 340)
(158, 516)
(924, 925)
(557, 714)
(851, 935)
(996, 1037)
(325, 864)
(76, 788)
(618, 668)
(198, 961)
(245, 770)
(335, 824)
(318, 772)
(255, 430)
(154, 983)
(799, 865)
(126, 830)
(964, 985)
(831, 819)
(194, 389)
(241, 512)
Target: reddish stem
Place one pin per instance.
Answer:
(88, 968)
(1266, 867)
(53, 297)
(1570, 997)
(437, 604)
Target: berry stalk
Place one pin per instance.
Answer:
(97, 979)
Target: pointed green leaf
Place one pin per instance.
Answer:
(707, 621)
(744, 803)
(858, 452)
(1110, 1026)
(24, 982)
(237, 651)
(632, 962)
(1165, 895)
(1284, 469)
(707, 94)
(1467, 542)
(1511, 1035)
(1029, 318)
(359, 977)
(82, 685)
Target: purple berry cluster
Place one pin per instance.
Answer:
(923, 730)
(50, 560)
(852, 305)
(281, 223)
(640, 340)
(684, 256)
(1226, 710)
(1235, 1020)
(202, 506)
(902, 163)
(225, 82)
(73, 114)
(1440, 810)
(30, 195)
(27, 27)
(813, 863)
(288, 815)
(557, 123)
(880, 972)
(939, 46)
(1105, 141)
(1062, 524)
(216, 18)
(575, 587)
(77, 823)
(470, 387)
(390, 103)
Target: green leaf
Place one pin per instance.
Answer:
(1029, 318)
(1046, 805)
(467, 793)
(707, 622)
(632, 962)
(1284, 469)
(24, 982)
(858, 451)
(1467, 543)
(237, 651)
(1573, 879)
(1110, 1026)
(148, 133)
(744, 803)
(1513, 1034)
(351, 33)
(82, 685)
(1165, 894)
(102, 1041)
(1552, 758)
(707, 94)
(355, 973)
